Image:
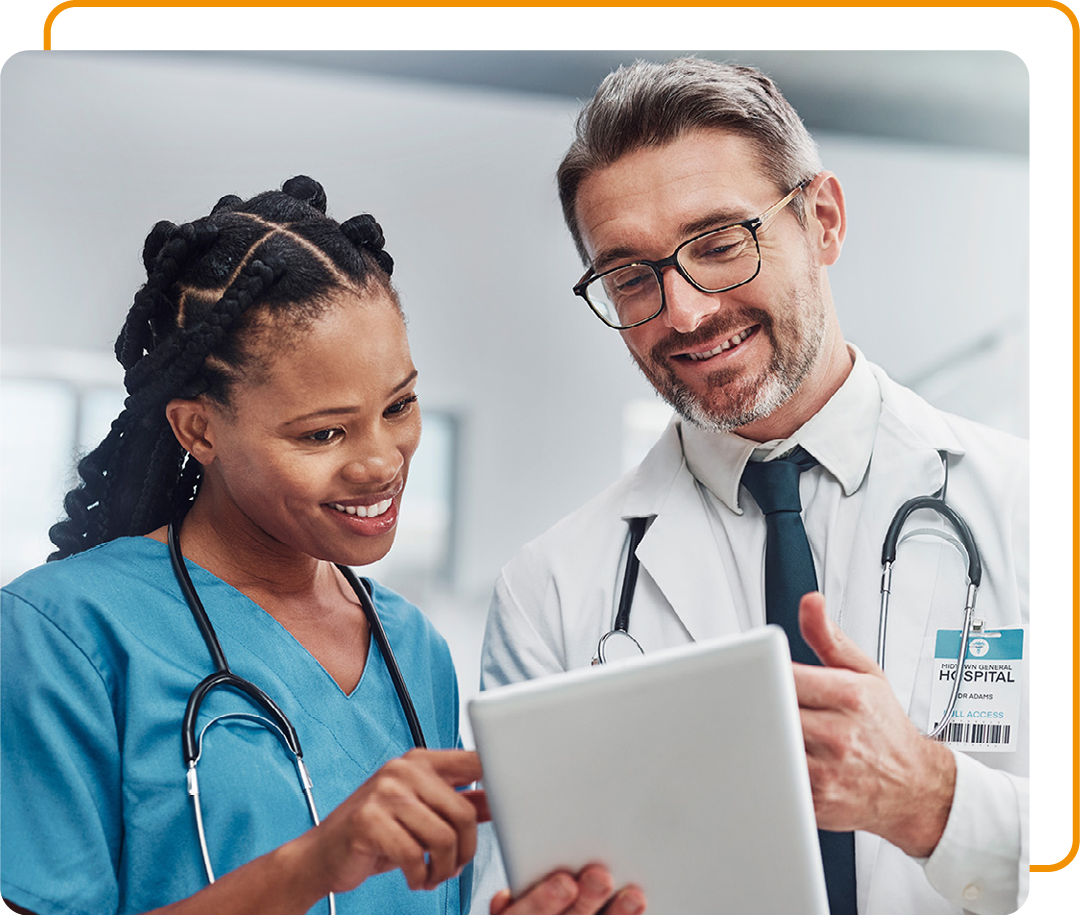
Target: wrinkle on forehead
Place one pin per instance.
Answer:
(656, 197)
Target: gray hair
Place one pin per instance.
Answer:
(651, 104)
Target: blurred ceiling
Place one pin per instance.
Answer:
(971, 99)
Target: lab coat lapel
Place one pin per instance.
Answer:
(905, 464)
(678, 550)
(900, 470)
(897, 467)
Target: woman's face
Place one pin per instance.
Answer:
(312, 454)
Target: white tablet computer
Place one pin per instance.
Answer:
(683, 771)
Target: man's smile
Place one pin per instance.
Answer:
(723, 347)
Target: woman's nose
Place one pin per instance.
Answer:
(375, 460)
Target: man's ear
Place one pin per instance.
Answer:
(827, 218)
(190, 422)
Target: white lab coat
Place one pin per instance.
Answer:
(556, 598)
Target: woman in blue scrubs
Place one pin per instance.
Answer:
(272, 406)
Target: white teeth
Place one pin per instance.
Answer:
(726, 345)
(363, 511)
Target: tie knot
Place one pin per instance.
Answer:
(775, 484)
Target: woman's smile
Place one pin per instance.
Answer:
(364, 511)
(370, 516)
(367, 521)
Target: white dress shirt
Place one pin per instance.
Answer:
(841, 437)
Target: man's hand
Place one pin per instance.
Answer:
(561, 893)
(870, 768)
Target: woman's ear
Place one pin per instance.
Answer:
(827, 221)
(190, 422)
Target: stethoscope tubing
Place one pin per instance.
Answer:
(630, 574)
(223, 676)
(278, 720)
(889, 547)
(379, 634)
(936, 504)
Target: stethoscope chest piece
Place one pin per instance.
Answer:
(617, 645)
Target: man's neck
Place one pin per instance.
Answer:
(831, 371)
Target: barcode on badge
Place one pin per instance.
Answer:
(971, 734)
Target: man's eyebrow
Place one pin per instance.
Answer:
(610, 255)
(717, 219)
(714, 220)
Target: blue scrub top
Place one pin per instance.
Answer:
(98, 654)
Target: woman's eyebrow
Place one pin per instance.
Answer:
(351, 408)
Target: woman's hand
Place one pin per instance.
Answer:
(561, 893)
(406, 815)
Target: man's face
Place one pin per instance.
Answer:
(723, 360)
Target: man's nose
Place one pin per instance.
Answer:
(685, 306)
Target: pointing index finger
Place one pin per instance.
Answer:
(456, 767)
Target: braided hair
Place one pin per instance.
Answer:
(278, 257)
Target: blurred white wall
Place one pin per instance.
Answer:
(96, 148)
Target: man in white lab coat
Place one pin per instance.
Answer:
(707, 224)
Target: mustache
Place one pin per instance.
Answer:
(719, 326)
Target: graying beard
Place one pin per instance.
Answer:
(774, 392)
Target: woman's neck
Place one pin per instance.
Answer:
(247, 558)
(307, 596)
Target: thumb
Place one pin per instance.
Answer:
(827, 640)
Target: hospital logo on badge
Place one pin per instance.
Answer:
(978, 647)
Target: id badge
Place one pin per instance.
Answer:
(987, 712)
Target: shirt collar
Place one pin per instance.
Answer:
(840, 435)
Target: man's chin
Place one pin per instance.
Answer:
(728, 414)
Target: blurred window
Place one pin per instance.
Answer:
(38, 419)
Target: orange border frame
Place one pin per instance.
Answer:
(1055, 888)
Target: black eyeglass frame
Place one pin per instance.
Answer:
(751, 225)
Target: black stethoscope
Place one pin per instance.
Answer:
(617, 643)
(276, 720)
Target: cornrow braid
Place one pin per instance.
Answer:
(168, 248)
(276, 256)
(155, 379)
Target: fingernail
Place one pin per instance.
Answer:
(563, 888)
(593, 882)
(628, 905)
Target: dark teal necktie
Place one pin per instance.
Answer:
(789, 574)
(789, 565)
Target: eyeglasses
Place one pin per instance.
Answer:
(715, 261)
